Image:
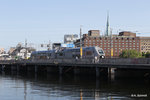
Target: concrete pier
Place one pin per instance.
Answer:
(76, 70)
(97, 72)
(13, 68)
(60, 70)
(36, 68)
(48, 69)
(2, 67)
(18, 68)
(30, 68)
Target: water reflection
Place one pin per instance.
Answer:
(28, 86)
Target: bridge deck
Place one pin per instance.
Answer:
(141, 63)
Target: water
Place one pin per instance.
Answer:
(53, 87)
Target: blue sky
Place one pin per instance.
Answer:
(39, 21)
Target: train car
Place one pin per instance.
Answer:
(50, 54)
(72, 53)
(87, 53)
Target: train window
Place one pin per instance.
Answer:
(101, 51)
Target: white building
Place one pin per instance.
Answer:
(70, 38)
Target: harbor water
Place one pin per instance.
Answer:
(31, 86)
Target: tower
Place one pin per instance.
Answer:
(108, 33)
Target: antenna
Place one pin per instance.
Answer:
(25, 49)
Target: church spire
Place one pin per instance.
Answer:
(107, 26)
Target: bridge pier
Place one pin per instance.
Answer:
(18, 68)
(49, 69)
(35, 68)
(97, 72)
(13, 68)
(30, 68)
(111, 73)
(76, 70)
(3, 67)
(60, 70)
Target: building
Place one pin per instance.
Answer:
(126, 33)
(70, 38)
(145, 44)
(20, 52)
(112, 45)
(2, 51)
(56, 46)
(94, 33)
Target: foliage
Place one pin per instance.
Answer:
(147, 55)
(130, 54)
(143, 54)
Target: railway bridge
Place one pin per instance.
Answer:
(107, 66)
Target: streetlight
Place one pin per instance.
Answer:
(81, 41)
(111, 43)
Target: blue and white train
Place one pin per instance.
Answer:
(71, 53)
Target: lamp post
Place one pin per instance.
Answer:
(81, 42)
(128, 46)
(111, 43)
(25, 56)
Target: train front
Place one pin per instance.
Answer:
(101, 53)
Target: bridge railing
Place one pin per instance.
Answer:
(83, 61)
(63, 61)
(125, 61)
(99, 61)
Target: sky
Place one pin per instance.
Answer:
(41, 21)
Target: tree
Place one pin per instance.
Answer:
(143, 54)
(147, 55)
(130, 54)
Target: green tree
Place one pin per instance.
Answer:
(143, 54)
(147, 55)
(130, 54)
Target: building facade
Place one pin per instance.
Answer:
(70, 38)
(112, 45)
(145, 44)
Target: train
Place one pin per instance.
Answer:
(70, 53)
